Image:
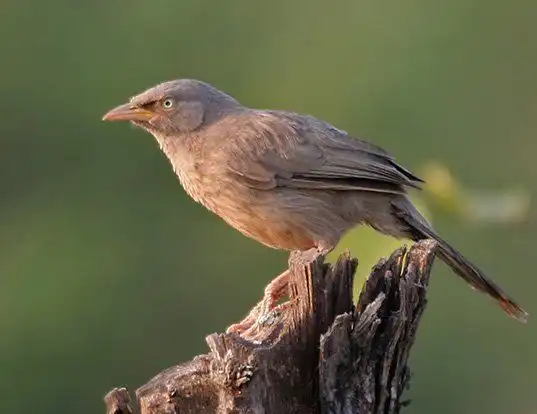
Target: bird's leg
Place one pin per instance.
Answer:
(274, 291)
(277, 288)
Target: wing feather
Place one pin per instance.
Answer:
(291, 150)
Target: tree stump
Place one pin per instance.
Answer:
(316, 353)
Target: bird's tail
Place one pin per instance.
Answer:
(418, 229)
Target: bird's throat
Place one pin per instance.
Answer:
(183, 163)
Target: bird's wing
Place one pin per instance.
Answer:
(280, 149)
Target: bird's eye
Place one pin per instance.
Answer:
(167, 103)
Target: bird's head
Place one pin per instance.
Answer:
(175, 107)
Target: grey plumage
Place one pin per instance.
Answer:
(288, 180)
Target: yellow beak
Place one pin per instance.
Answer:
(128, 112)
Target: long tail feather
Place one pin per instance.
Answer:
(418, 229)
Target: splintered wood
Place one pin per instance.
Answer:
(316, 353)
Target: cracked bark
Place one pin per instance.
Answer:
(317, 353)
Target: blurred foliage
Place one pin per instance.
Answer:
(109, 273)
(508, 206)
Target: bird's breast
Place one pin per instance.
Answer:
(191, 182)
(209, 187)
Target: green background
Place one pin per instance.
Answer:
(109, 273)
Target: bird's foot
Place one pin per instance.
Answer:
(274, 291)
(264, 311)
(245, 324)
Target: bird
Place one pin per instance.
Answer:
(290, 181)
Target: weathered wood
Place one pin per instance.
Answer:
(316, 353)
(117, 401)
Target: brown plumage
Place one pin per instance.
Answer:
(289, 181)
